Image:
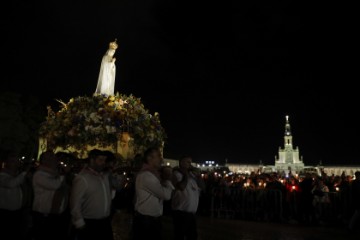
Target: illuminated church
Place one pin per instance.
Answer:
(289, 155)
(289, 159)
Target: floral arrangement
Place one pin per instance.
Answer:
(100, 120)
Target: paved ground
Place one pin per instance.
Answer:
(222, 229)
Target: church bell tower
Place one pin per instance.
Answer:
(288, 156)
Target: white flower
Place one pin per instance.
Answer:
(94, 117)
(151, 136)
(97, 130)
(108, 129)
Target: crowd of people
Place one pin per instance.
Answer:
(62, 198)
(309, 198)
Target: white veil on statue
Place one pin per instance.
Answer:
(106, 81)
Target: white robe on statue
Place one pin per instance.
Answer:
(106, 81)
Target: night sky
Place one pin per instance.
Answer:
(222, 75)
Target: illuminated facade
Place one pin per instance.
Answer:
(288, 156)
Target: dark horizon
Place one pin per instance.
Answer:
(222, 77)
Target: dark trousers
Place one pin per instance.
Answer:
(11, 224)
(184, 225)
(50, 226)
(96, 229)
(146, 227)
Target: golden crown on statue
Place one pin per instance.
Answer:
(113, 45)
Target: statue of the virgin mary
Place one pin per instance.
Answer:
(106, 81)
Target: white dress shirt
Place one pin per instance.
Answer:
(186, 200)
(10, 191)
(90, 197)
(45, 184)
(150, 194)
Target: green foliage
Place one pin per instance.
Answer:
(99, 120)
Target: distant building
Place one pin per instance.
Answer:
(289, 159)
(288, 156)
(243, 168)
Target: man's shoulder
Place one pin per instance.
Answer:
(81, 179)
(145, 176)
(144, 173)
(83, 175)
(41, 173)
